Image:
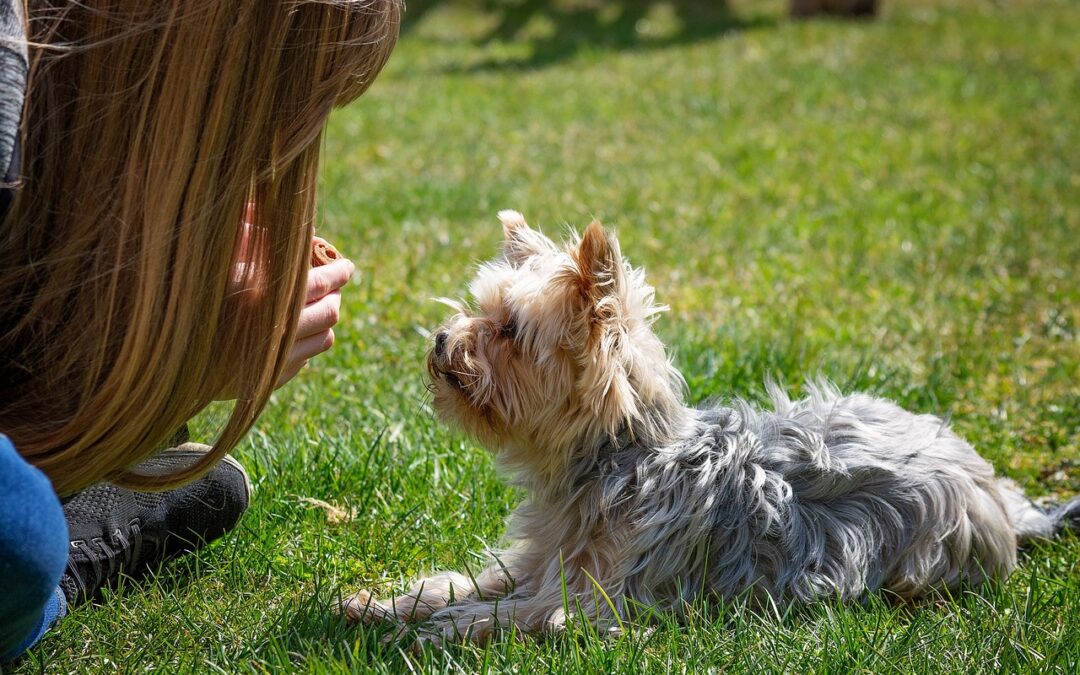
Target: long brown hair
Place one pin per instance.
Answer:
(149, 126)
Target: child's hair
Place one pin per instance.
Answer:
(149, 126)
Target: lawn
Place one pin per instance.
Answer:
(893, 203)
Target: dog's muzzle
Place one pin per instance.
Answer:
(438, 361)
(440, 343)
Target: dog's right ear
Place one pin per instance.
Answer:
(519, 240)
(600, 263)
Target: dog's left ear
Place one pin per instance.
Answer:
(605, 387)
(519, 240)
(599, 262)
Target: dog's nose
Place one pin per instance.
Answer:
(440, 343)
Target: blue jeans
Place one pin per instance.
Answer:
(33, 553)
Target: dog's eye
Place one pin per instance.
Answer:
(509, 328)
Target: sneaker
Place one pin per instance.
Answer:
(114, 531)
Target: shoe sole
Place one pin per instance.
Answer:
(231, 461)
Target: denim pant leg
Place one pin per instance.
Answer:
(33, 553)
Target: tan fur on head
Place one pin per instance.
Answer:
(520, 242)
(556, 353)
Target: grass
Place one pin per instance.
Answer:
(894, 203)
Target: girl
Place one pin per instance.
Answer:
(154, 258)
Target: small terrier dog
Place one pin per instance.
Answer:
(637, 501)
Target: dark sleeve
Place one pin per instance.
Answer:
(12, 89)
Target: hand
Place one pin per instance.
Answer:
(322, 301)
(322, 308)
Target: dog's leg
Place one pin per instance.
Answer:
(429, 595)
(426, 596)
(526, 611)
(477, 621)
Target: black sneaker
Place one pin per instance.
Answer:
(116, 531)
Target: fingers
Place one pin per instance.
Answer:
(289, 374)
(321, 312)
(303, 350)
(328, 278)
(314, 334)
(319, 316)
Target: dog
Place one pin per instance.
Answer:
(636, 500)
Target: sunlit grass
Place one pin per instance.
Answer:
(892, 203)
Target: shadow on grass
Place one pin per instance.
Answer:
(569, 28)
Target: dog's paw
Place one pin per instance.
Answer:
(364, 608)
(438, 636)
(460, 627)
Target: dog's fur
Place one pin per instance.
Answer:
(635, 500)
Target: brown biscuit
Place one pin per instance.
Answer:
(323, 253)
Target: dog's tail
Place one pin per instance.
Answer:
(1066, 515)
(1032, 522)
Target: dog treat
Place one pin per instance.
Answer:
(323, 253)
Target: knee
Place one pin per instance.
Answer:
(33, 535)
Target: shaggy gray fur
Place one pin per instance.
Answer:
(830, 496)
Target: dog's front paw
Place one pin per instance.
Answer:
(364, 608)
(465, 625)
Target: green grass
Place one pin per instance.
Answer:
(893, 203)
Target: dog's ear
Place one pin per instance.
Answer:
(605, 384)
(599, 263)
(519, 240)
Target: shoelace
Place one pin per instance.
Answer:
(118, 558)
